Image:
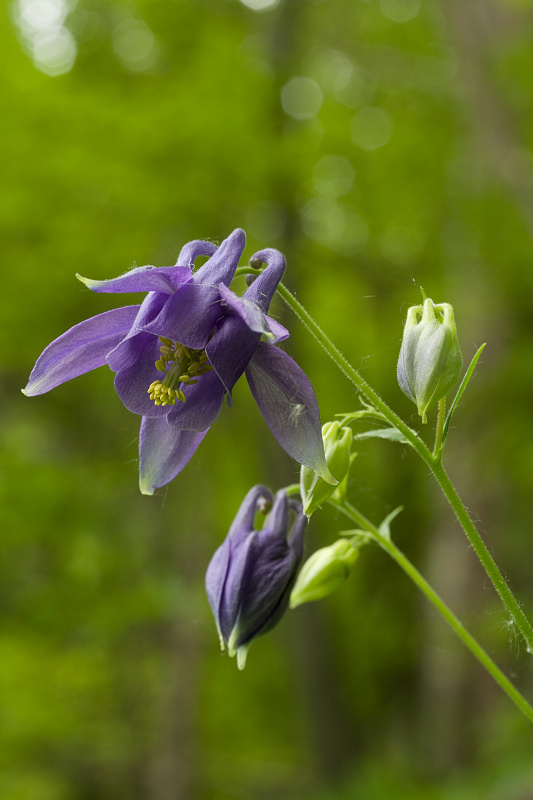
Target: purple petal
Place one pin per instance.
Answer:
(132, 384)
(202, 406)
(125, 355)
(267, 579)
(143, 279)
(296, 536)
(238, 571)
(215, 578)
(230, 350)
(191, 313)
(262, 289)
(277, 330)
(193, 249)
(81, 349)
(249, 506)
(279, 516)
(163, 452)
(254, 304)
(232, 553)
(221, 267)
(288, 403)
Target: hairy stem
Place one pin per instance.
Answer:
(410, 570)
(432, 460)
(441, 414)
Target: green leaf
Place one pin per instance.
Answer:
(384, 528)
(462, 387)
(382, 433)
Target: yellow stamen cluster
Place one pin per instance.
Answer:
(181, 365)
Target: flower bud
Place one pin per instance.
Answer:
(337, 446)
(250, 577)
(430, 359)
(323, 572)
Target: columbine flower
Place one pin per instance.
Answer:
(178, 353)
(250, 577)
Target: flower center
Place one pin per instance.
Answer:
(181, 365)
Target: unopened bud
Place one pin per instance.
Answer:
(323, 572)
(430, 359)
(337, 446)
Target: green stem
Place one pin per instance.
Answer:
(433, 461)
(507, 597)
(441, 414)
(411, 571)
(354, 376)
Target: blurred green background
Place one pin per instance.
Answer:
(380, 144)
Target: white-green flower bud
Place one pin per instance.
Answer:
(430, 359)
(323, 572)
(337, 445)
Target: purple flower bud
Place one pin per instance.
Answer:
(251, 575)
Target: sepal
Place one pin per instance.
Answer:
(314, 489)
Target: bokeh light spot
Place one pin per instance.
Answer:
(400, 10)
(44, 36)
(36, 15)
(301, 98)
(333, 176)
(331, 68)
(371, 128)
(54, 51)
(341, 229)
(135, 44)
(260, 5)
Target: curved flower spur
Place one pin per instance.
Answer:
(178, 353)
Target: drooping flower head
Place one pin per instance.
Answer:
(250, 577)
(182, 350)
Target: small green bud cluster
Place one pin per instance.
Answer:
(337, 446)
(324, 571)
(430, 359)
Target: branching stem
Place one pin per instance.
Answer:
(403, 562)
(433, 460)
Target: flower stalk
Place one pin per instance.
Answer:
(410, 570)
(432, 459)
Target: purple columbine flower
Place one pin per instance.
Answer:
(181, 351)
(251, 575)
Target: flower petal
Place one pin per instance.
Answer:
(191, 313)
(239, 568)
(248, 509)
(80, 349)
(254, 304)
(287, 402)
(142, 279)
(278, 332)
(202, 405)
(230, 350)
(132, 384)
(227, 555)
(267, 581)
(262, 289)
(163, 452)
(215, 578)
(190, 252)
(221, 267)
(126, 353)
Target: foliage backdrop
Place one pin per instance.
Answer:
(381, 145)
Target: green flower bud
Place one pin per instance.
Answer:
(323, 572)
(430, 359)
(337, 445)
